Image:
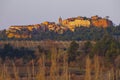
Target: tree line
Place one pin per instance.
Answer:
(80, 33)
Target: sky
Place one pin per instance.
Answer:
(25, 12)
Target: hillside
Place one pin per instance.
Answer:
(69, 24)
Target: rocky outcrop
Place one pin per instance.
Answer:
(24, 31)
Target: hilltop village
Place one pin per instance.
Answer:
(23, 31)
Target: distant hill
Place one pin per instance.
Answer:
(75, 28)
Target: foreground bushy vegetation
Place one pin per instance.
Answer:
(9, 52)
(89, 60)
(59, 69)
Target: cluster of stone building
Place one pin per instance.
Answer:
(96, 21)
(60, 27)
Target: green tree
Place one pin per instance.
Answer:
(87, 47)
(72, 51)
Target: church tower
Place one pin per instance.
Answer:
(60, 20)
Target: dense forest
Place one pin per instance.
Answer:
(80, 33)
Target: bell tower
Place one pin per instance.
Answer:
(60, 20)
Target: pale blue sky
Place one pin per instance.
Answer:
(23, 12)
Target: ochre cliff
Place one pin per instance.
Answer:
(60, 27)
